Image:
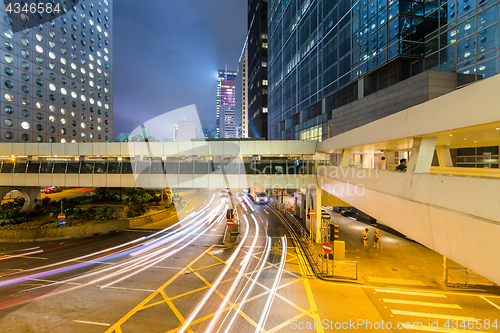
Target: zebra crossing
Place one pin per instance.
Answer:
(437, 312)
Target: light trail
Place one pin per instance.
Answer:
(20, 255)
(272, 292)
(238, 278)
(255, 276)
(205, 298)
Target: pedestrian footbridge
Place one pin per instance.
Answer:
(452, 210)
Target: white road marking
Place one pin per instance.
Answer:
(431, 315)
(487, 300)
(266, 211)
(91, 322)
(389, 291)
(437, 305)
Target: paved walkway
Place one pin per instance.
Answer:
(399, 261)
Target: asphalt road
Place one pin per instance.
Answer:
(184, 280)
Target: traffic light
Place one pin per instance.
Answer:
(334, 231)
(230, 214)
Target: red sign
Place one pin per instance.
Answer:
(312, 213)
(230, 222)
(61, 216)
(327, 247)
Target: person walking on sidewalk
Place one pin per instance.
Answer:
(377, 237)
(365, 237)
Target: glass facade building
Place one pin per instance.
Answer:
(226, 81)
(57, 77)
(321, 51)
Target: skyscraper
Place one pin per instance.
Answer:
(57, 76)
(225, 94)
(327, 57)
(227, 129)
(257, 68)
(241, 93)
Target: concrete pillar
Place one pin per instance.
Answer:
(30, 193)
(346, 157)
(422, 152)
(444, 157)
(317, 219)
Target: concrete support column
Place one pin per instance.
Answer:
(422, 152)
(30, 193)
(317, 219)
(444, 157)
(345, 158)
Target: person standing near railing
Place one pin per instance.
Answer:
(377, 237)
(365, 237)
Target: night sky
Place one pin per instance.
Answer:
(167, 53)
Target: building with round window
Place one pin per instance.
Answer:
(57, 77)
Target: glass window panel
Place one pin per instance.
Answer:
(73, 168)
(156, 167)
(7, 167)
(60, 167)
(114, 168)
(127, 168)
(46, 167)
(488, 68)
(33, 167)
(232, 168)
(86, 167)
(215, 167)
(201, 168)
(186, 168)
(142, 167)
(171, 168)
(20, 167)
(100, 167)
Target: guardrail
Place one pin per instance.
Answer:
(464, 277)
(322, 266)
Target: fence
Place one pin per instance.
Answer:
(324, 266)
(464, 277)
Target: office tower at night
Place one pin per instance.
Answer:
(257, 69)
(227, 128)
(57, 77)
(226, 81)
(337, 65)
(241, 93)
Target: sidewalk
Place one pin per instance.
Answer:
(399, 262)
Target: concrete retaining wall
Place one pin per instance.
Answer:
(20, 235)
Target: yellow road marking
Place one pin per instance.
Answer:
(174, 309)
(303, 268)
(116, 327)
(286, 323)
(487, 300)
(222, 261)
(431, 315)
(199, 269)
(437, 305)
(189, 292)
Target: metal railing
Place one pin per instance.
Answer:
(323, 265)
(464, 277)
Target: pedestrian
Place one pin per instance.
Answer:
(402, 165)
(365, 237)
(377, 237)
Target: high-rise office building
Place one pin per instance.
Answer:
(227, 129)
(57, 76)
(241, 93)
(225, 94)
(337, 65)
(257, 69)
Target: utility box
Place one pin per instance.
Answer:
(338, 250)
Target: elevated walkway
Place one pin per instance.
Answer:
(454, 211)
